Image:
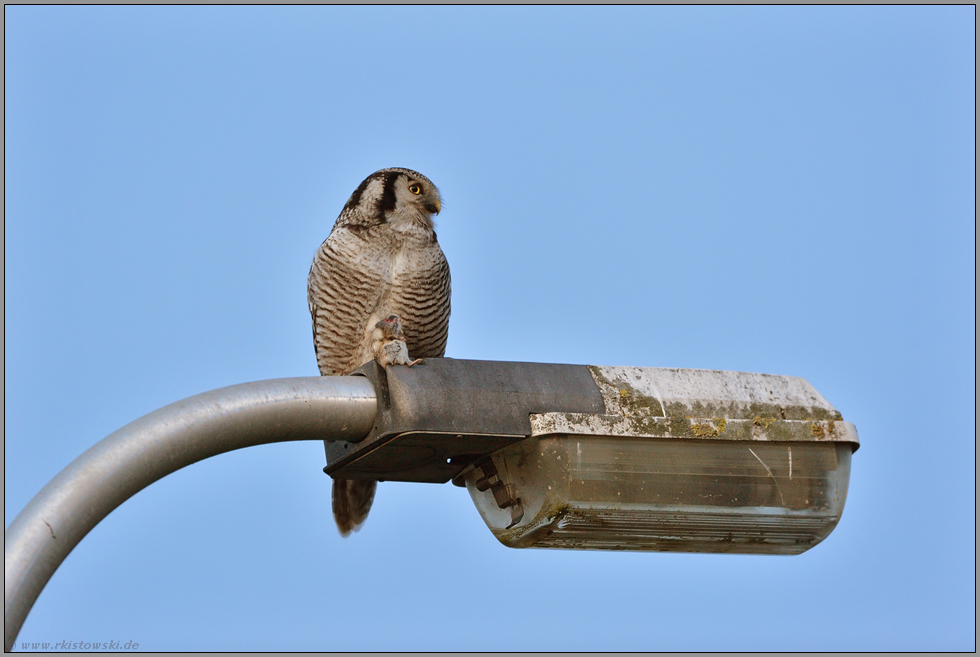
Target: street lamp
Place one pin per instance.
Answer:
(561, 456)
(618, 458)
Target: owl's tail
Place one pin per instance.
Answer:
(352, 500)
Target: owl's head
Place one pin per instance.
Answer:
(401, 197)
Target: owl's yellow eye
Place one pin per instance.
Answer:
(415, 188)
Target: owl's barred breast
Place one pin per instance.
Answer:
(420, 294)
(360, 276)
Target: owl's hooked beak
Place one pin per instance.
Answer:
(434, 206)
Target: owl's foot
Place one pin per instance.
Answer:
(415, 362)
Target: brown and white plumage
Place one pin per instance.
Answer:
(381, 258)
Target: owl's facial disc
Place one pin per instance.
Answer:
(416, 200)
(424, 194)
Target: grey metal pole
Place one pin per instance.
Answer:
(157, 444)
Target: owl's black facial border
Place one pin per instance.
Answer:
(388, 200)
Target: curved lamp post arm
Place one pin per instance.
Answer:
(157, 444)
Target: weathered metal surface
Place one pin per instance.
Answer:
(694, 428)
(439, 416)
(646, 402)
(655, 391)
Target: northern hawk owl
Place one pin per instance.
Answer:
(381, 258)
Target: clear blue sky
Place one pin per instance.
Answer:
(783, 190)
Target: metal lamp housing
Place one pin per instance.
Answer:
(617, 458)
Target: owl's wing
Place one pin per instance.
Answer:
(422, 300)
(341, 297)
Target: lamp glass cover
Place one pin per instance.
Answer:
(667, 495)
